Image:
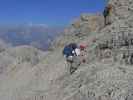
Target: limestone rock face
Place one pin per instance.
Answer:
(88, 23)
(81, 28)
(95, 22)
(122, 9)
(107, 78)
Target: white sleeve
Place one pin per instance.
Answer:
(77, 52)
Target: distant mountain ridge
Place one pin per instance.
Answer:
(39, 36)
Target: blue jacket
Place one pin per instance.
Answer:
(68, 51)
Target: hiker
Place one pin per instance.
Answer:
(83, 54)
(71, 52)
(106, 14)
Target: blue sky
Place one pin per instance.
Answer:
(49, 12)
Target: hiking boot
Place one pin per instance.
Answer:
(72, 70)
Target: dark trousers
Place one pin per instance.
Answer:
(73, 64)
(107, 20)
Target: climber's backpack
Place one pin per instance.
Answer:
(68, 49)
(106, 12)
(73, 46)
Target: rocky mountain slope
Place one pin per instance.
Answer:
(30, 74)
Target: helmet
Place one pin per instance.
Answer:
(82, 46)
